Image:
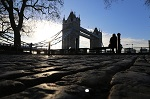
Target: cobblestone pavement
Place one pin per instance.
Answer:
(75, 77)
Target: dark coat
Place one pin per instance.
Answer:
(113, 42)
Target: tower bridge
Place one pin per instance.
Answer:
(73, 38)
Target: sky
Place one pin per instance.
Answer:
(131, 18)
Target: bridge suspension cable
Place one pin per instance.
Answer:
(55, 39)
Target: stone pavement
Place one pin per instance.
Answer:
(75, 77)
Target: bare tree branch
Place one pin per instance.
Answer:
(147, 2)
(109, 2)
(20, 10)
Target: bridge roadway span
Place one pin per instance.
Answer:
(67, 77)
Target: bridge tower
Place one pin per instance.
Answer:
(94, 41)
(71, 32)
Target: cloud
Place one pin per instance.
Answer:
(136, 42)
(106, 38)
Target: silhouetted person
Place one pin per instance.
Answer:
(113, 42)
(120, 47)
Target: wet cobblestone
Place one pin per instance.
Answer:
(68, 76)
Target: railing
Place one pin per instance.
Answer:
(44, 46)
(136, 50)
(6, 43)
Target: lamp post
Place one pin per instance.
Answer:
(130, 44)
(118, 44)
(130, 49)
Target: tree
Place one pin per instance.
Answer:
(16, 12)
(109, 2)
(147, 2)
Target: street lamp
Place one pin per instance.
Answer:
(132, 46)
(130, 49)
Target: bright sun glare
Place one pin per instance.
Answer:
(44, 30)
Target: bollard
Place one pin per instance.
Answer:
(49, 48)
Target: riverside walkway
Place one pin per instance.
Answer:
(75, 77)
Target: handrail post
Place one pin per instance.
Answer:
(141, 50)
(30, 48)
(49, 48)
(149, 45)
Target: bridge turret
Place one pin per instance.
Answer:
(97, 32)
(69, 40)
(96, 42)
(71, 21)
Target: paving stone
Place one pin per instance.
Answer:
(52, 91)
(134, 83)
(14, 74)
(37, 92)
(32, 80)
(142, 64)
(91, 78)
(67, 76)
(118, 66)
(131, 78)
(141, 69)
(10, 86)
(127, 91)
(95, 80)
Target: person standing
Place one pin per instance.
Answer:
(113, 42)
